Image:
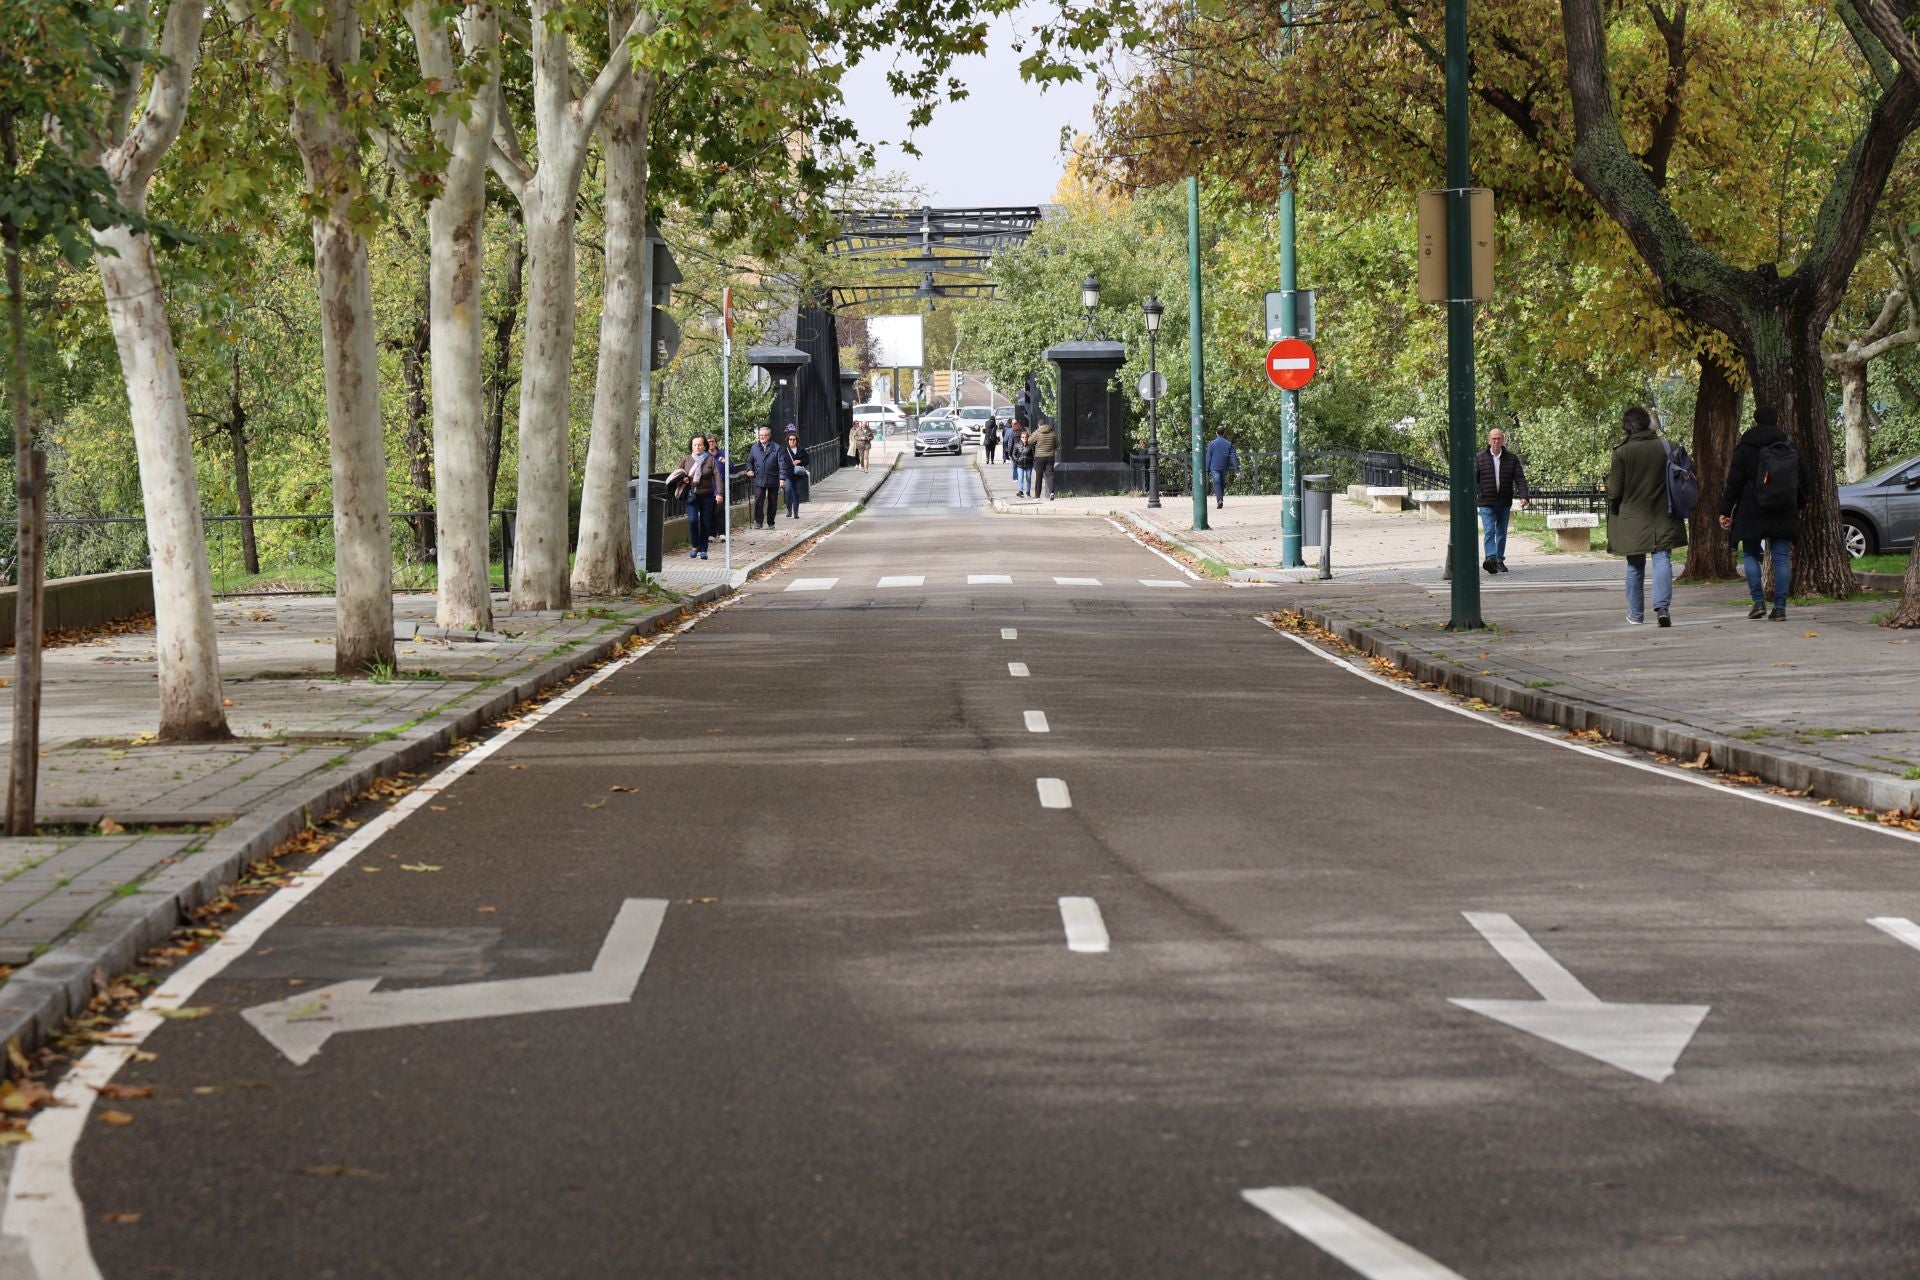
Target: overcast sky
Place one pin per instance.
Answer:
(999, 145)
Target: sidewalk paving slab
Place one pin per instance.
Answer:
(80, 904)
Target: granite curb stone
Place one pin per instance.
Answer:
(1793, 770)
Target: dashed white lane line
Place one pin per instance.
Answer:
(1164, 582)
(1053, 794)
(989, 579)
(1893, 926)
(1009, 633)
(1018, 670)
(812, 584)
(903, 580)
(1037, 722)
(1086, 928)
(1346, 1235)
(1077, 582)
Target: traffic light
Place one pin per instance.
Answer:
(663, 274)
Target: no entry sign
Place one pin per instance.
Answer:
(1290, 364)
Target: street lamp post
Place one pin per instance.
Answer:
(1090, 299)
(1152, 309)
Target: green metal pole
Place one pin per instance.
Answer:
(1462, 431)
(1196, 336)
(1289, 400)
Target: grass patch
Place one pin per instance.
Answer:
(1755, 735)
(1542, 684)
(1880, 564)
(1912, 775)
(1213, 568)
(1828, 735)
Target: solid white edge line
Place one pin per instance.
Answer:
(1053, 793)
(1018, 670)
(1335, 1229)
(1085, 927)
(1897, 927)
(1148, 546)
(1037, 722)
(42, 1204)
(1445, 703)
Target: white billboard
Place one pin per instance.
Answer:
(898, 341)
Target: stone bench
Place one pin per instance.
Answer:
(1387, 498)
(1435, 504)
(1358, 493)
(1573, 531)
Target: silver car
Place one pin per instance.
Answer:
(1881, 512)
(936, 435)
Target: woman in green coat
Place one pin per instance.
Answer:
(1639, 523)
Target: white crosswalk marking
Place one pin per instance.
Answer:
(1346, 1235)
(1078, 582)
(1009, 633)
(812, 584)
(1164, 582)
(903, 580)
(989, 579)
(1053, 794)
(1037, 722)
(1017, 669)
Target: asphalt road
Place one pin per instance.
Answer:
(862, 1047)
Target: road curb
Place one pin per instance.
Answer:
(1792, 770)
(58, 983)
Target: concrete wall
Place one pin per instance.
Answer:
(85, 602)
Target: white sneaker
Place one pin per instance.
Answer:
(1638, 622)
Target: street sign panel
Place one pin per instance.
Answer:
(1291, 364)
(1303, 315)
(1153, 385)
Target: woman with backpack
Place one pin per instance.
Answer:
(1767, 488)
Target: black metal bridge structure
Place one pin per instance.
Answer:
(887, 255)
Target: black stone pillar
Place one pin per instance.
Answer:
(1093, 418)
(783, 364)
(844, 419)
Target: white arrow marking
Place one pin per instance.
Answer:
(1292, 362)
(299, 1025)
(1894, 926)
(1346, 1235)
(1646, 1039)
(1086, 928)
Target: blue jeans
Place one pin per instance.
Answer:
(1493, 531)
(1219, 486)
(1022, 480)
(699, 520)
(1781, 551)
(1637, 584)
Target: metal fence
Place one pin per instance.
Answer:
(272, 554)
(1260, 474)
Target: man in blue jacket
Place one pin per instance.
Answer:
(1222, 458)
(770, 468)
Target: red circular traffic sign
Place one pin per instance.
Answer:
(1291, 364)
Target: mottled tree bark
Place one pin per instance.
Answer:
(1716, 429)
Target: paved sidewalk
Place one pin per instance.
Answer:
(135, 832)
(834, 498)
(1243, 538)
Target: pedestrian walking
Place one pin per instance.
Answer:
(1768, 486)
(1223, 461)
(1046, 448)
(698, 477)
(1021, 452)
(768, 469)
(1006, 443)
(1501, 477)
(989, 436)
(1643, 522)
(862, 444)
(797, 482)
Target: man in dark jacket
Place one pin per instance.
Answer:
(1501, 476)
(1768, 486)
(1640, 522)
(1223, 462)
(770, 468)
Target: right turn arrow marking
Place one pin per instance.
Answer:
(1646, 1039)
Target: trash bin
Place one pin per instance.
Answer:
(636, 522)
(1315, 502)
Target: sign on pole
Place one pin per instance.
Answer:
(725, 468)
(1291, 364)
(1153, 385)
(1303, 314)
(1433, 244)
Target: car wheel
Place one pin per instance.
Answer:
(1859, 538)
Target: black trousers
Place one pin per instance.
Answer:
(766, 505)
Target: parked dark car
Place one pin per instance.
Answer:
(1881, 512)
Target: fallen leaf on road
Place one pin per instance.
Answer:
(108, 827)
(628, 790)
(115, 1117)
(484, 909)
(337, 1171)
(1810, 634)
(596, 804)
(23, 1097)
(17, 1058)
(124, 1219)
(438, 808)
(516, 766)
(8, 1137)
(703, 900)
(372, 871)
(141, 1055)
(123, 1091)
(182, 1015)
(226, 702)
(420, 866)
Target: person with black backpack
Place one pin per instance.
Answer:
(1768, 486)
(1647, 504)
